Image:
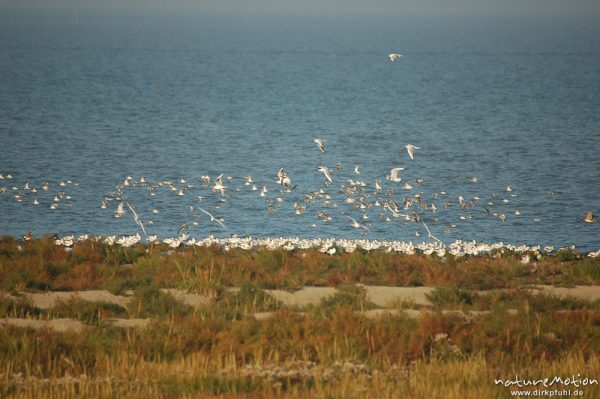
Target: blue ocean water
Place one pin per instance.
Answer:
(92, 98)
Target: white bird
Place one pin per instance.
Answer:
(393, 56)
(431, 235)
(327, 173)
(284, 180)
(411, 150)
(356, 170)
(355, 224)
(218, 186)
(394, 175)
(137, 219)
(120, 211)
(377, 185)
(212, 218)
(320, 143)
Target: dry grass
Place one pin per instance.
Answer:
(41, 265)
(221, 351)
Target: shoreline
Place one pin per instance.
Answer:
(329, 245)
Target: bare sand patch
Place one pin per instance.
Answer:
(194, 300)
(386, 296)
(304, 297)
(129, 323)
(376, 313)
(48, 300)
(585, 292)
(269, 315)
(58, 325)
(416, 313)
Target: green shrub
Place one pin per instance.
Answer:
(151, 302)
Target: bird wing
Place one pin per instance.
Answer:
(326, 172)
(212, 218)
(321, 144)
(394, 172)
(137, 219)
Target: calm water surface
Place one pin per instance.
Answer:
(513, 101)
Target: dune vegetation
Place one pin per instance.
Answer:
(478, 327)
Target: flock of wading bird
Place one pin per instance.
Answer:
(358, 202)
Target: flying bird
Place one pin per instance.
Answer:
(137, 219)
(120, 211)
(393, 56)
(212, 218)
(411, 150)
(320, 143)
(327, 173)
(355, 224)
(394, 175)
(218, 186)
(284, 180)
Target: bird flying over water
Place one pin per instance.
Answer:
(137, 219)
(393, 56)
(411, 150)
(218, 186)
(284, 179)
(212, 218)
(327, 173)
(120, 211)
(355, 224)
(394, 175)
(320, 143)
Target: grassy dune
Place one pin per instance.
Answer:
(328, 350)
